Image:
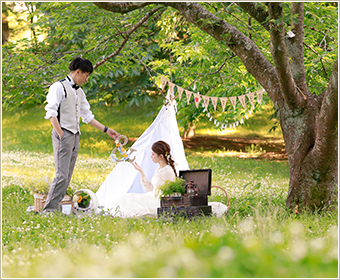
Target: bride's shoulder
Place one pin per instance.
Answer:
(165, 168)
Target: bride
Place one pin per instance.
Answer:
(146, 204)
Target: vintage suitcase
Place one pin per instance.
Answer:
(190, 205)
(186, 212)
(202, 180)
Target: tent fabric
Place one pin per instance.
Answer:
(124, 178)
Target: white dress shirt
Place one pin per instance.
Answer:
(55, 97)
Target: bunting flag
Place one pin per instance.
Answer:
(206, 101)
(164, 81)
(180, 92)
(242, 99)
(197, 99)
(251, 99)
(214, 101)
(171, 87)
(223, 125)
(224, 102)
(233, 101)
(188, 94)
(259, 95)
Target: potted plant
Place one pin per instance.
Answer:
(39, 189)
(172, 188)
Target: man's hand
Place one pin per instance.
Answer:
(112, 133)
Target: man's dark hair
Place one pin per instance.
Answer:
(82, 64)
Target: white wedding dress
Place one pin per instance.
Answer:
(123, 194)
(142, 204)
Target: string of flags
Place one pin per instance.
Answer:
(214, 100)
(225, 125)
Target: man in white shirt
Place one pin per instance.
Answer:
(66, 103)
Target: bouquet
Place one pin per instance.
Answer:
(83, 199)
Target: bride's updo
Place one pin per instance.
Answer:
(162, 148)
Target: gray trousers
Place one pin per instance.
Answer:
(65, 154)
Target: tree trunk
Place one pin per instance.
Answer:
(190, 131)
(5, 27)
(313, 176)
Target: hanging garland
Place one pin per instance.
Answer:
(214, 100)
(224, 125)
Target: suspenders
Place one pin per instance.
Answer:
(63, 86)
(61, 81)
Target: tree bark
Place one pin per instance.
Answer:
(308, 121)
(5, 27)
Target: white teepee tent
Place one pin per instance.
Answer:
(124, 178)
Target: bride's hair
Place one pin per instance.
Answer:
(163, 148)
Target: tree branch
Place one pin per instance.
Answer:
(255, 10)
(128, 34)
(240, 44)
(320, 57)
(122, 7)
(327, 125)
(246, 24)
(323, 33)
(295, 48)
(280, 56)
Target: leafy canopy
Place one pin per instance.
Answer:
(166, 43)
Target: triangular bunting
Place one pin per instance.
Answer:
(233, 101)
(171, 87)
(206, 101)
(164, 81)
(188, 94)
(180, 92)
(242, 99)
(259, 95)
(214, 101)
(197, 99)
(223, 102)
(251, 98)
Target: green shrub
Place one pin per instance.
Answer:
(170, 187)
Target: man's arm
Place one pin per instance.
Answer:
(56, 125)
(112, 133)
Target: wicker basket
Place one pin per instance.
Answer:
(39, 201)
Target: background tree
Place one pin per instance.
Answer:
(218, 49)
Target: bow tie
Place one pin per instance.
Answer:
(75, 86)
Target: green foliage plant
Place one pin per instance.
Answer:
(170, 187)
(42, 186)
(37, 185)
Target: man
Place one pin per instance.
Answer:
(66, 103)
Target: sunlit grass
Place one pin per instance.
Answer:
(257, 238)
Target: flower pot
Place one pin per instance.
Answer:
(93, 202)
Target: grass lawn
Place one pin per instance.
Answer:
(257, 238)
